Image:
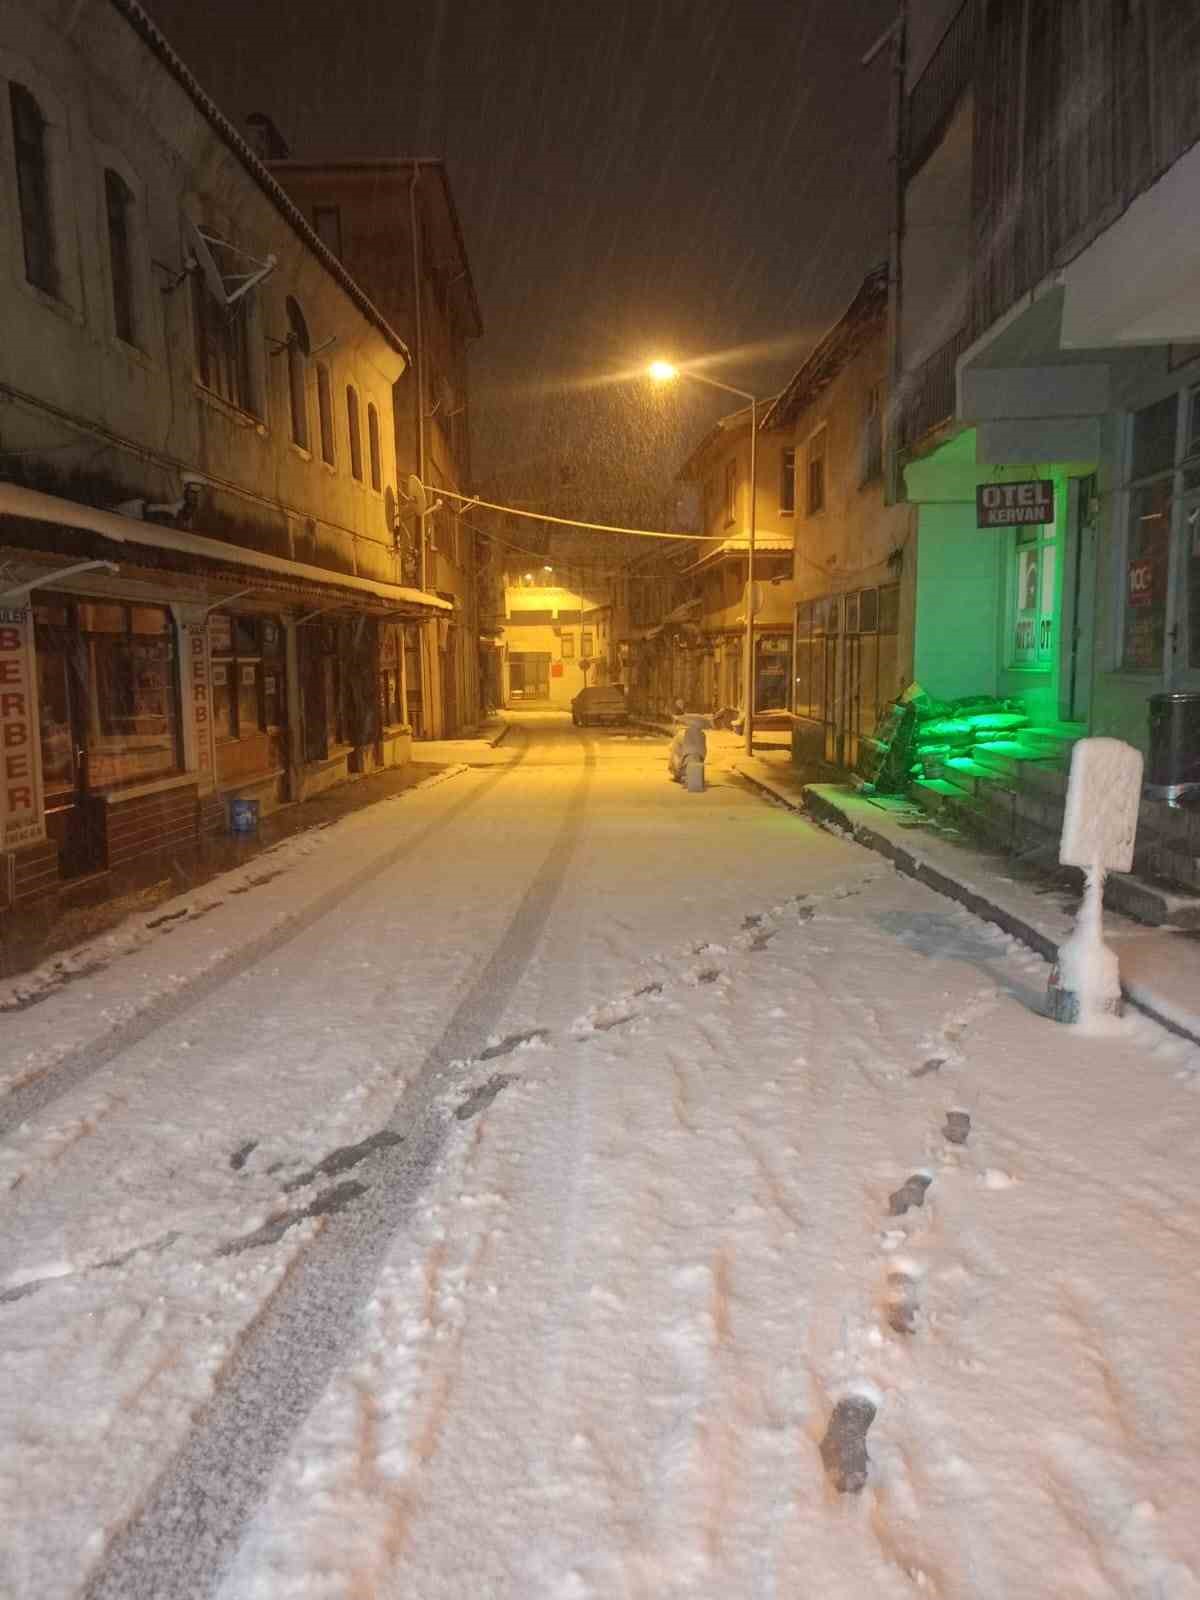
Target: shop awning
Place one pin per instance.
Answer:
(34, 506)
(738, 544)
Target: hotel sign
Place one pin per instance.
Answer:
(1013, 505)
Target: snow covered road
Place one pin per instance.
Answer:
(497, 1197)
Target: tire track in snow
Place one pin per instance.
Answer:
(34, 1093)
(178, 1542)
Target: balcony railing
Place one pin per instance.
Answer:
(942, 84)
(928, 393)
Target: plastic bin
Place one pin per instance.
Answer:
(243, 816)
(1173, 763)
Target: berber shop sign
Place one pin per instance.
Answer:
(1012, 505)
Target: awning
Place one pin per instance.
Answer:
(34, 506)
(738, 544)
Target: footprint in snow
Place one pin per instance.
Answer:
(844, 1447)
(910, 1193)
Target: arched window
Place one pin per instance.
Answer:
(118, 206)
(33, 189)
(297, 359)
(325, 413)
(355, 431)
(373, 447)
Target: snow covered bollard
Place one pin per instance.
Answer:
(1099, 828)
(686, 755)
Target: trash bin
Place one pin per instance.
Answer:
(243, 816)
(1173, 766)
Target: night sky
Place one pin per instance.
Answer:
(635, 177)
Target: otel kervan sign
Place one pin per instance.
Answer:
(1012, 505)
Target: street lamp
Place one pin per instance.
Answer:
(665, 372)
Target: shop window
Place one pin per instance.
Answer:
(131, 684)
(34, 199)
(772, 670)
(868, 611)
(355, 425)
(297, 369)
(373, 450)
(1154, 438)
(248, 689)
(787, 483)
(1032, 603)
(1147, 562)
(889, 608)
(118, 209)
(391, 697)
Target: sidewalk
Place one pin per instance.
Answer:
(1160, 967)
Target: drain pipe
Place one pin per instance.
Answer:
(420, 348)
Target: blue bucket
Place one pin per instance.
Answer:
(243, 816)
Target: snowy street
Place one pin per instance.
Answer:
(495, 1192)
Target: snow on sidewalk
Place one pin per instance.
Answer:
(662, 1247)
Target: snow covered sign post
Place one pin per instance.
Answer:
(1099, 828)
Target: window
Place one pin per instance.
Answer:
(816, 473)
(1033, 602)
(730, 492)
(1148, 535)
(297, 363)
(585, 645)
(787, 483)
(871, 464)
(568, 647)
(118, 207)
(373, 448)
(248, 689)
(325, 413)
(132, 691)
(327, 224)
(391, 698)
(222, 345)
(34, 198)
(355, 432)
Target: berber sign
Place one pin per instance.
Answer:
(1011, 505)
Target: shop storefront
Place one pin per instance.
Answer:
(248, 674)
(846, 656)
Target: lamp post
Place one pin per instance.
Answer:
(664, 372)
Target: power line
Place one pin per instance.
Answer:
(573, 522)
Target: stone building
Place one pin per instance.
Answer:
(202, 592)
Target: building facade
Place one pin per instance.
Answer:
(1048, 338)
(557, 638)
(853, 576)
(201, 595)
(393, 224)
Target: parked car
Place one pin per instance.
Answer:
(600, 705)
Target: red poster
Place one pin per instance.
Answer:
(556, 669)
(1141, 583)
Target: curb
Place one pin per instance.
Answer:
(505, 730)
(827, 815)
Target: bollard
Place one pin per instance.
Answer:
(693, 775)
(1099, 828)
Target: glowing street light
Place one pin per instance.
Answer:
(665, 372)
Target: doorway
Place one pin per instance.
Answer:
(1079, 589)
(64, 695)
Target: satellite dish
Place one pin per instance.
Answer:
(416, 493)
(207, 262)
(226, 288)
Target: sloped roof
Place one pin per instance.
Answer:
(150, 34)
(859, 322)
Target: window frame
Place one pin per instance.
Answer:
(326, 430)
(816, 496)
(297, 376)
(374, 447)
(120, 218)
(354, 429)
(787, 481)
(731, 489)
(335, 212)
(33, 165)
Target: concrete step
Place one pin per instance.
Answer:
(1156, 903)
(937, 795)
(1008, 756)
(967, 773)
